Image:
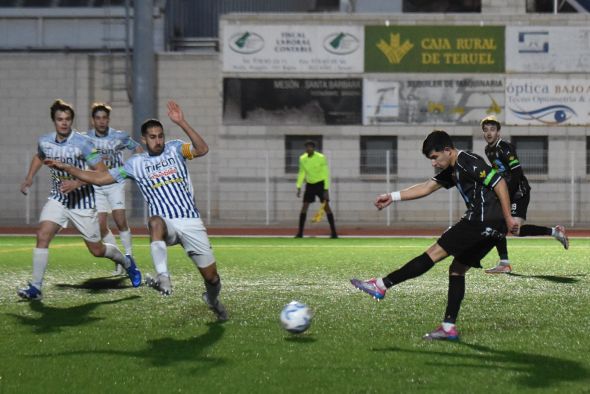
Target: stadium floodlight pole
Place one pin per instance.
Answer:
(144, 76)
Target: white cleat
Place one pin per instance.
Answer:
(561, 236)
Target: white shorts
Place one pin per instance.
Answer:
(84, 220)
(110, 197)
(192, 235)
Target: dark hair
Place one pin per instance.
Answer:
(96, 107)
(148, 124)
(437, 141)
(309, 142)
(60, 105)
(492, 122)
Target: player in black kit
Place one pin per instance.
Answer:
(486, 220)
(504, 160)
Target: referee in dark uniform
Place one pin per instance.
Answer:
(486, 220)
(314, 170)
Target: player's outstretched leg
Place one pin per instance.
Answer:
(560, 235)
(377, 287)
(503, 266)
(557, 232)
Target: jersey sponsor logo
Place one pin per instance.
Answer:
(167, 182)
(167, 172)
(150, 167)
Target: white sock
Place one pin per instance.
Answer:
(40, 259)
(553, 231)
(448, 326)
(160, 257)
(109, 238)
(504, 262)
(113, 253)
(380, 284)
(125, 237)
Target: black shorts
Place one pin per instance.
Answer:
(469, 242)
(312, 190)
(519, 207)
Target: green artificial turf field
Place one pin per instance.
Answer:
(529, 331)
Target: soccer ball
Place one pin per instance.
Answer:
(296, 317)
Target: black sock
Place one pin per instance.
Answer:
(502, 249)
(412, 269)
(530, 230)
(455, 297)
(330, 217)
(302, 217)
(213, 289)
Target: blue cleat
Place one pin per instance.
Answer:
(132, 271)
(30, 293)
(370, 287)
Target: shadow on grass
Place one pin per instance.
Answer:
(167, 351)
(300, 339)
(550, 278)
(53, 319)
(98, 285)
(536, 370)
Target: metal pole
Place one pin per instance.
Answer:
(555, 2)
(388, 184)
(267, 187)
(144, 75)
(209, 189)
(572, 190)
(28, 196)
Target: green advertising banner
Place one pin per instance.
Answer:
(444, 49)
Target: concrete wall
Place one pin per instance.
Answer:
(231, 182)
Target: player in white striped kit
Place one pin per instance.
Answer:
(69, 200)
(164, 181)
(110, 144)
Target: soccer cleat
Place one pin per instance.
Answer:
(334, 236)
(500, 269)
(133, 273)
(216, 307)
(561, 236)
(370, 287)
(30, 293)
(439, 334)
(298, 235)
(162, 283)
(119, 270)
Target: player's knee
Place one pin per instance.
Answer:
(156, 225)
(97, 249)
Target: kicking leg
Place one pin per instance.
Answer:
(212, 285)
(159, 251)
(377, 287)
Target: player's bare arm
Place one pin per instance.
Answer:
(69, 185)
(411, 193)
(501, 190)
(34, 167)
(200, 147)
(98, 177)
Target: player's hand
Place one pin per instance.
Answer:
(513, 226)
(298, 193)
(383, 200)
(69, 185)
(24, 187)
(175, 112)
(56, 164)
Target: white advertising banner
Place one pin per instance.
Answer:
(547, 49)
(547, 102)
(432, 100)
(292, 48)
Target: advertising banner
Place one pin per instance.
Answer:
(432, 100)
(292, 48)
(292, 101)
(432, 49)
(547, 49)
(547, 102)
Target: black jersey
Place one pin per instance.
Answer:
(475, 180)
(502, 156)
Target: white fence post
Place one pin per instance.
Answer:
(28, 197)
(267, 187)
(388, 184)
(572, 189)
(208, 188)
(451, 198)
